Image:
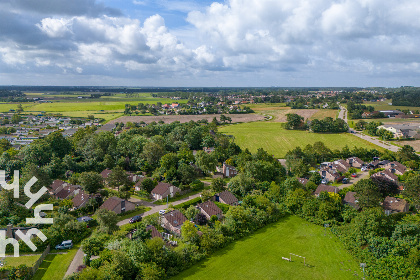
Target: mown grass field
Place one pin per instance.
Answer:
(259, 256)
(55, 265)
(275, 139)
(27, 260)
(279, 111)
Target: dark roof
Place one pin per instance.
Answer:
(65, 192)
(351, 199)
(80, 198)
(154, 232)
(175, 218)
(56, 184)
(394, 204)
(111, 203)
(326, 188)
(210, 208)
(386, 174)
(228, 197)
(161, 188)
(106, 173)
(398, 166)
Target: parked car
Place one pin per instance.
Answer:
(135, 219)
(68, 244)
(325, 181)
(162, 212)
(364, 168)
(345, 181)
(354, 175)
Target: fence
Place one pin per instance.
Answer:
(41, 259)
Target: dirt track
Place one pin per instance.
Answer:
(186, 118)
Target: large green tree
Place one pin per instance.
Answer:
(367, 193)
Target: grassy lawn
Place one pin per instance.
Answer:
(277, 140)
(55, 266)
(28, 260)
(259, 256)
(139, 211)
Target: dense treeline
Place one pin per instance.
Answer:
(406, 96)
(328, 124)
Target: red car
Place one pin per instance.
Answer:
(354, 175)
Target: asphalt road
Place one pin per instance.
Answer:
(343, 115)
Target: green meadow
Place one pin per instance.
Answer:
(277, 140)
(259, 256)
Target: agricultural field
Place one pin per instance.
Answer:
(106, 107)
(186, 118)
(277, 140)
(279, 112)
(259, 256)
(383, 106)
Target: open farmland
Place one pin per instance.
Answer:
(186, 118)
(279, 112)
(277, 140)
(383, 106)
(259, 256)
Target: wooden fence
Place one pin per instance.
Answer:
(40, 260)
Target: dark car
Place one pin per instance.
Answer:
(345, 181)
(135, 219)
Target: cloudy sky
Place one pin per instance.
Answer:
(210, 43)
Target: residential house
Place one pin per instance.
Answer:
(229, 171)
(355, 162)
(326, 188)
(386, 174)
(118, 205)
(137, 186)
(105, 174)
(396, 168)
(81, 199)
(351, 200)
(395, 205)
(402, 130)
(209, 208)
(329, 173)
(56, 186)
(68, 191)
(341, 165)
(173, 221)
(154, 232)
(163, 190)
(226, 197)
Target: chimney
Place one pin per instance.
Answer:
(9, 231)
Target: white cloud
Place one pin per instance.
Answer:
(55, 28)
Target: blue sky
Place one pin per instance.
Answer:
(210, 43)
